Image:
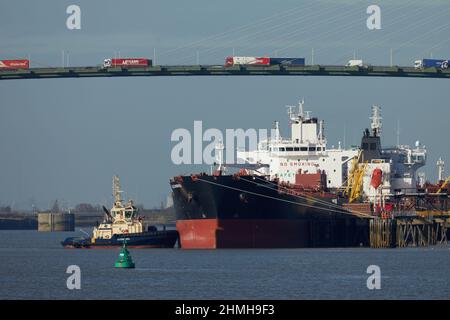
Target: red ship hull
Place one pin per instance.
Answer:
(243, 233)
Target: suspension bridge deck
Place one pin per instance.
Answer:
(219, 70)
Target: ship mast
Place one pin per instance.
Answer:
(376, 121)
(296, 116)
(118, 201)
(219, 155)
(301, 105)
(440, 164)
(276, 132)
(291, 113)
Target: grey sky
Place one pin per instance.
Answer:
(64, 139)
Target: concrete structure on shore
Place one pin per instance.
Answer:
(49, 222)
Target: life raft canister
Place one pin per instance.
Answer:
(377, 176)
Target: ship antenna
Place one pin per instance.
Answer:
(376, 121)
(345, 134)
(291, 113)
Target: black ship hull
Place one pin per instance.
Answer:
(155, 239)
(229, 211)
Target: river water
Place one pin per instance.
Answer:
(33, 266)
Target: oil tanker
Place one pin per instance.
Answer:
(296, 192)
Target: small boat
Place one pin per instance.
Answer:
(122, 223)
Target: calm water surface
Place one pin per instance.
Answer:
(34, 267)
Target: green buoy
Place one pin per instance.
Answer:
(124, 260)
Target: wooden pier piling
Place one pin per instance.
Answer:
(409, 231)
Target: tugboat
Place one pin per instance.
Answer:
(123, 223)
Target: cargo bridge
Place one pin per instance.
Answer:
(220, 70)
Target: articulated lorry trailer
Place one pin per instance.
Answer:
(430, 63)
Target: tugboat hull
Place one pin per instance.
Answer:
(157, 239)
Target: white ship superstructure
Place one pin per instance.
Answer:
(307, 152)
(398, 164)
(122, 219)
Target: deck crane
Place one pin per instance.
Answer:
(355, 180)
(444, 184)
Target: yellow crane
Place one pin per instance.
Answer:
(351, 175)
(355, 179)
(443, 184)
(430, 213)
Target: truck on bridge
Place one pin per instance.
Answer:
(263, 61)
(127, 62)
(14, 64)
(430, 63)
(354, 63)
